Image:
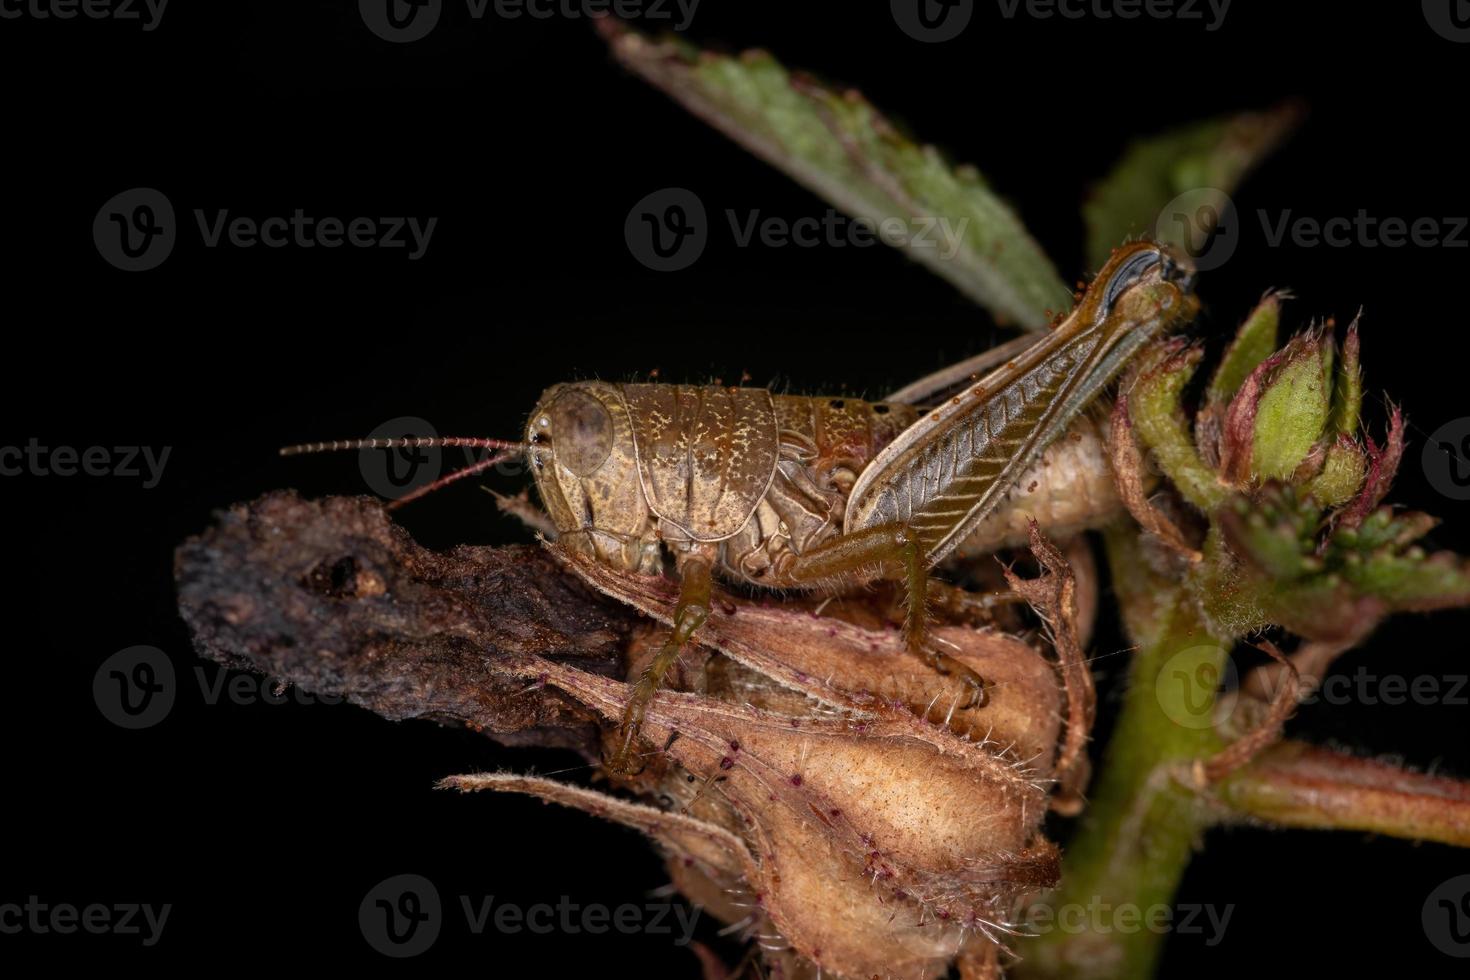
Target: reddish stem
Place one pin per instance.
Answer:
(1298, 785)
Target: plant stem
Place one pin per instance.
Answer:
(1125, 862)
(1296, 785)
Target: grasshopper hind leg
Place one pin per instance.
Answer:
(853, 554)
(689, 615)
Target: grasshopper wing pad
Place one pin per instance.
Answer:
(953, 466)
(706, 455)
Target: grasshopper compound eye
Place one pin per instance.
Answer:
(1177, 269)
(1138, 265)
(577, 428)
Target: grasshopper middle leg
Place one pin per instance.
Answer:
(841, 558)
(855, 555)
(689, 615)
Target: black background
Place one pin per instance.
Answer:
(264, 825)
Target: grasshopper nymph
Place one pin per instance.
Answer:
(797, 492)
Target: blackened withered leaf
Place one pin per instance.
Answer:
(333, 597)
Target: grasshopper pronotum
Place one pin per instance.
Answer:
(797, 492)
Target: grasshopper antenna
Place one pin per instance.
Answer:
(503, 450)
(411, 442)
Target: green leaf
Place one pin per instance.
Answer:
(1342, 474)
(1155, 406)
(1414, 581)
(841, 148)
(1292, 411)
(1347, 402)
(1213, 155)
(1254, 342)
(1338, 588)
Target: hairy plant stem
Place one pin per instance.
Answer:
(1297, 785)
(1143, 821)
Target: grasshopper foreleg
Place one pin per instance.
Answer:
(689, 615)
(857, 555)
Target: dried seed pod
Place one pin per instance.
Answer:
(865, 837)
(844, 809)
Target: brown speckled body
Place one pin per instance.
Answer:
(759, 477)
(792, 492)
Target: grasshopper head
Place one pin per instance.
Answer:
(1139, 264)
(1143, 291)
(582, 454)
